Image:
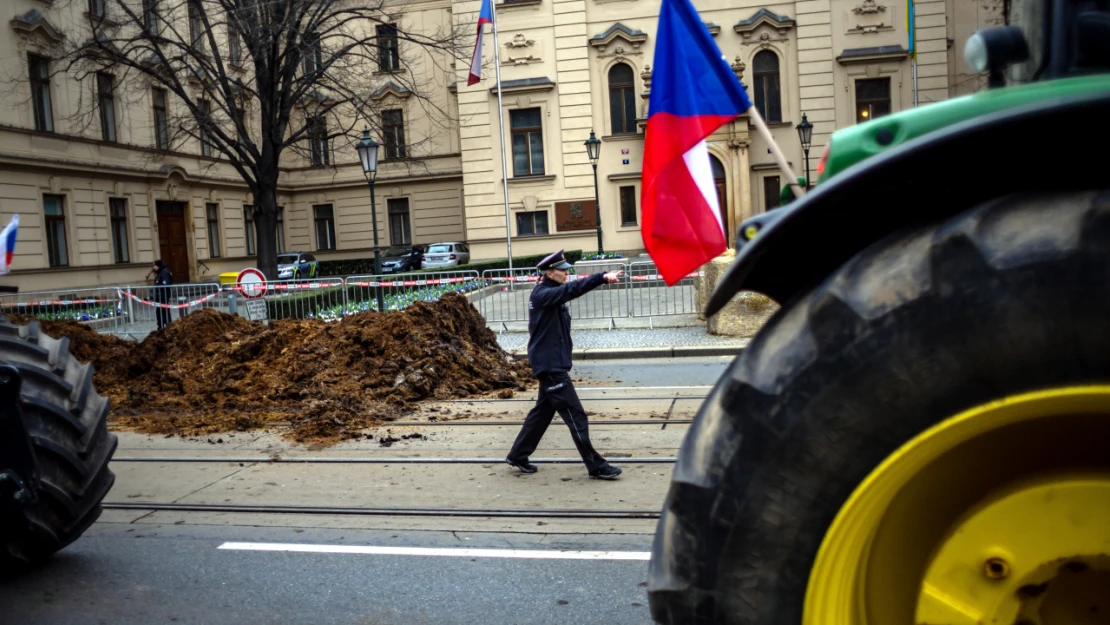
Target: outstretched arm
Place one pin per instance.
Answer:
(573, 290)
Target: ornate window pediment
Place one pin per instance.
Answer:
(390, 89)
(34, 24)
(619, 40)
(770, 25)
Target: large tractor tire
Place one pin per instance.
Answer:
(924, 437)
(67, 423)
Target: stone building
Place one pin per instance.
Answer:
(570, 67)
(101, 196)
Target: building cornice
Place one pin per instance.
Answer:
(851, 56)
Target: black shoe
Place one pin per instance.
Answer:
(608, 472)
(525, 466)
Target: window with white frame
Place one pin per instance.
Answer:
(39, 70)
(54, 214)
(527, 137)
(106, 102)
(622, 99)
(117, 208)
(212, 216)
(767, 85)
(325, 226)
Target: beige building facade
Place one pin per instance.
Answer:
(100, 196)
(585, 65)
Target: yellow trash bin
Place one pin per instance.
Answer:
(228, 277)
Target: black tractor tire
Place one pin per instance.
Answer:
(67, 423)
(1008, 297)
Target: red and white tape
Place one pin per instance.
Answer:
(63, 302)
(432, 282)
(170, 306)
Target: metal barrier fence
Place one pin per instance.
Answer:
(608, 301)
(141, 306)
(649, 295)
(641, 292)
(320, 298)
(507, 295)
(99, 308)
(400, 291)
(501, 296)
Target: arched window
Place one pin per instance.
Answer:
(622, 99)
(766, 84)
(719, 181)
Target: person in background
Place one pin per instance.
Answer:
(549, 352)
(162, 281)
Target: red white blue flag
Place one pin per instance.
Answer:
(485, 16)
(693, 93)
(7, 245)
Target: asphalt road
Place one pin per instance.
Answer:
(135, 567)
(120, 575)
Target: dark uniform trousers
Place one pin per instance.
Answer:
(556, 395)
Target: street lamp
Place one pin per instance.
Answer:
(805, 135)
(368, 154)
(593, 150)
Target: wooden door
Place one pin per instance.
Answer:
(172, 241)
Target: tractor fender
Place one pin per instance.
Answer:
(1049, 146)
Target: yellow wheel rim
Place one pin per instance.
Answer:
(1000, 514)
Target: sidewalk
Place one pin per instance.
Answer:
(597, 344)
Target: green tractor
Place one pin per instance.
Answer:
(921, 433)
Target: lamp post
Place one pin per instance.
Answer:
(368, 154)
(805, 135)
(593, 150)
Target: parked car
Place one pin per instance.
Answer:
(402, 258)
(448, 254)
(297, 266)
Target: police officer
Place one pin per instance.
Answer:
(549, 352)
(162, 281)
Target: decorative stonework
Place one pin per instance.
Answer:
(868, 7)
(619, 41)
(867, 18)
(520, 41)
(390, 89)
(770, 26)
(738, 67)
(33, 27)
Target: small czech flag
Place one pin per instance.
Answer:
(7, 245)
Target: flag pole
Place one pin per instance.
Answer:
(780, 158)
(501, 123)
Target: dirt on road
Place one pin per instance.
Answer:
(211, 372)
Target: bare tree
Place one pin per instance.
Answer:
(253, 81)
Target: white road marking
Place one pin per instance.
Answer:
(434, 552)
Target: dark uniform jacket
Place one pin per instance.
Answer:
(549, 344)
(163, 279)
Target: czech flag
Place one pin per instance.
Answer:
(7, 244)
(485, 16)
(693, 93)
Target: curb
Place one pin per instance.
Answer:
(694, 351)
